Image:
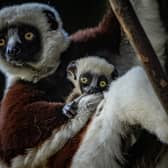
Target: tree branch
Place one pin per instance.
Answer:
(138, 39)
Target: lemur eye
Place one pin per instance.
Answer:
(84, 80)
(2, 42)
(103, 84)
(29, 36)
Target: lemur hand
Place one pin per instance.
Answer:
(70, 109)
(89, 102)
(84, 103)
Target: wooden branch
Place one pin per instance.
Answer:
(137, 37)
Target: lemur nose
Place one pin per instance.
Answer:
(13, 51)
(93, 90)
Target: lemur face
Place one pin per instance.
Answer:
(91, 74)
(32, 40)
(20, 43)
(93, 83)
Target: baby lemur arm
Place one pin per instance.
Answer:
(73, 95)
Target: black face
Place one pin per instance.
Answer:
(93, 83)
(20, 43)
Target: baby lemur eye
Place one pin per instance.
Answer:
(103, 84)
(29, 36)
(84, 80)
(2, 42)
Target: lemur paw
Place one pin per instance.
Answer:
(70, 109)
(90, 102)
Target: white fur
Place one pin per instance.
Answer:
(130, 101)
(37, 157)
(94, 64)
(53, 42)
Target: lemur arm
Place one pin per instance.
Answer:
(105, 35)
(73, 95)
(27, 119)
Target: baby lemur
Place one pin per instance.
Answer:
(89, 75)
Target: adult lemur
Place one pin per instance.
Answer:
(34, 54)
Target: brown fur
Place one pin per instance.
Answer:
(27, 119)
(100, 37)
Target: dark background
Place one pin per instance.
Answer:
(74, 13)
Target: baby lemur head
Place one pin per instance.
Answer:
(91, 74)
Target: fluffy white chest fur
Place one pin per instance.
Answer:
(130, 100)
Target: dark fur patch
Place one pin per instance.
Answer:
(114, 74)
(51, 19)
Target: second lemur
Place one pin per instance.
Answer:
(89, 75)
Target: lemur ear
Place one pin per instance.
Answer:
(72, 69)
(114, 74)
(51, 19)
